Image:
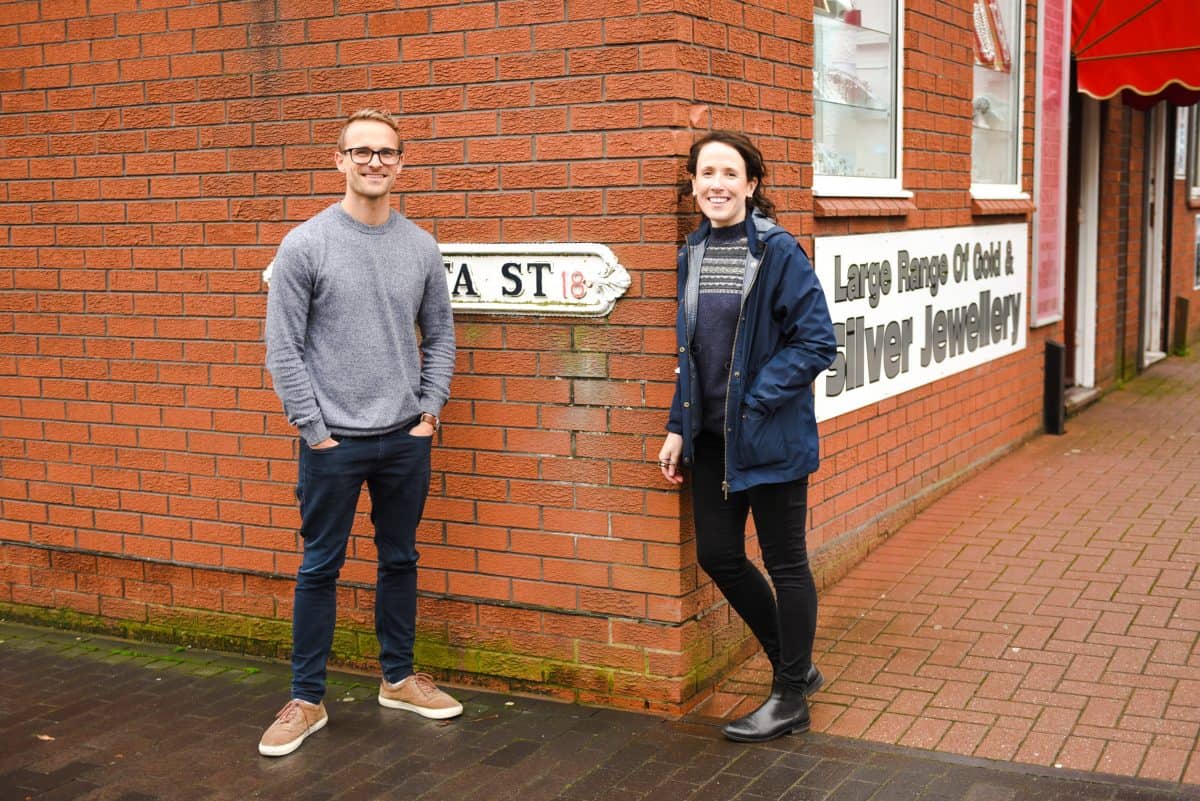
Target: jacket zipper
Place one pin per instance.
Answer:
(729, 380)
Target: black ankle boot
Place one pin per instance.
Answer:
(784, 712)
(813, 681)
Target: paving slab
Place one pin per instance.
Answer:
(89, 718)
(1045, 611)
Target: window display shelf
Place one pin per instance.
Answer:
(853, 140)
(850, 21)
(853, 63)
(992, 156)
(851, 96)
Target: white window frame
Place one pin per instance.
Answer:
(1013, 191)
(852, 186)
(1193, 152)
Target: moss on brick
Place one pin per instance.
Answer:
(500, 665)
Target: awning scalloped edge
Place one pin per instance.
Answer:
(1136, 91)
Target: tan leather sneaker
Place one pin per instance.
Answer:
(419, 694)
(292, 725)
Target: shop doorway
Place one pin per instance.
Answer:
(1153, 334)
(1082, 252)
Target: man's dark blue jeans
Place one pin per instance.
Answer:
(395, 467)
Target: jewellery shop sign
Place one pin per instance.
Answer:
(571, 279)
(912, 307)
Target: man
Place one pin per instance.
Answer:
(348, 289)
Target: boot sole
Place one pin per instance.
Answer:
(797, 729)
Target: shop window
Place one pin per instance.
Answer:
(857, 61)
(996, 101)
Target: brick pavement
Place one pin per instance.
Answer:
(1046, 611)
(85, 718)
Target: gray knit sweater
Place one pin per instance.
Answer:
(343, 309)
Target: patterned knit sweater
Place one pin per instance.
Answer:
(722, 272)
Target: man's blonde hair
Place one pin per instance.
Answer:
(377, 115)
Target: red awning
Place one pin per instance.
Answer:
(1148, 50)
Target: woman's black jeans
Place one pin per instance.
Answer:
(784, 622)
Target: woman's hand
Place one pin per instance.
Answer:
(669, 456)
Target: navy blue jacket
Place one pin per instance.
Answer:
(784, 341)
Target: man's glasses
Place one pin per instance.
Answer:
(362, 155)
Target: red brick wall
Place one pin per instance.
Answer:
(1184, 214)
(152, 158)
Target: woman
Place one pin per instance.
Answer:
(753, 333)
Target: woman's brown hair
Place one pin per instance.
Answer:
(756, 168)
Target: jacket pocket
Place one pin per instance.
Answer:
(763, 438)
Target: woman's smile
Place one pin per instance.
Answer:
(720, 184)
